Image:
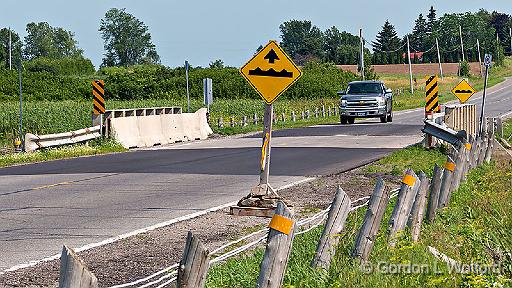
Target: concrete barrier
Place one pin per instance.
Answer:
(461, 117)
(150, 127)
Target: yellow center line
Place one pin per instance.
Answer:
(51, 185)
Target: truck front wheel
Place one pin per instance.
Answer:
(343, 120)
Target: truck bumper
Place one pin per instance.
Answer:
(363, 112)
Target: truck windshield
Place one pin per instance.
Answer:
(364, 88)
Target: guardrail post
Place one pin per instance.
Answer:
(418, 208)
(435, 188)
(338, 213)
(403, 206)
(279, 246)
(323, 111)
(499, 127)
(73, 272)
(194, 264)
(294, 118)
(483, 149)
(365, 238)
(446, 181)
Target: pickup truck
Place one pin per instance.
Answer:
(366, 99)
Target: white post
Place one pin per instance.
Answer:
(188, 94)
(510, 34)
(439, 59)
(362, 51)
(10, 49)
(410, 66)
(461, 44)
(479, 55)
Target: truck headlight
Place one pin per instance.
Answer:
(381, 101)
(343, 102)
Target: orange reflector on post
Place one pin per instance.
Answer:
(281, 224)
(409, 180)
(449, 166)
(468, 146)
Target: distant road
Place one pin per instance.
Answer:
(86, 200)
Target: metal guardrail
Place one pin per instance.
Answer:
(34, 142)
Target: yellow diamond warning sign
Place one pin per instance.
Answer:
(270, 72)
(463, 91)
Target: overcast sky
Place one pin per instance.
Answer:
(202, 31)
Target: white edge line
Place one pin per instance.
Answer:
(144, 230)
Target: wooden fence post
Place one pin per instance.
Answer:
(365, 238)
(469, 155)
(194, 264)
(329, 113)
(232, 121)
(403, 206)
(244, 121)
(323, 111)
(490, 144)
(449, 167)
(418, 208)
(338, 213)
(435, 188)
(459, 167)
(316, 112)
(279, 246)
(483, 149)
(294, 118)
(308, 114)
(302, 115)
(73, 272)
(221, 123)
(283, 117)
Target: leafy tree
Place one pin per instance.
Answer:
(501, 22)
(43, 40)
(217, 64)
(126, 40)
(387, 42)
(302, 41)
(333, 40)
(4, 47)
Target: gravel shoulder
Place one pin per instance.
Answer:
(141, 255)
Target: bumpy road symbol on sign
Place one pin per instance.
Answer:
(463, 91)
(270, 72)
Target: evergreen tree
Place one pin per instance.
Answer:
(386, 42)
(431, 20)
(419, 34)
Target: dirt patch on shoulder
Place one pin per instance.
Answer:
(144, 254)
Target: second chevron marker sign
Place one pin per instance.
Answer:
(98, 97)
(432, 98)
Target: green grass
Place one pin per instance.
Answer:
(475, 228)
(93, 148)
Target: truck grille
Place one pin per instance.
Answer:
(362, 103)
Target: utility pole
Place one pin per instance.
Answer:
(362, 52)
(410, 66)
(10, 49)
(461, 44)
(439, 59)
(479, 55)
(487, 63)
(188, 94)
(510, 34)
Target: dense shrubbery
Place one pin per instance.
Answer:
(151, 82)
(63, 66)
(43, 86)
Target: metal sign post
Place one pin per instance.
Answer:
(270, 72)
(487, 63)
(20, 128)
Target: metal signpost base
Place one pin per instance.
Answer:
(262, 200)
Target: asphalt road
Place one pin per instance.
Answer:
(86, 200)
